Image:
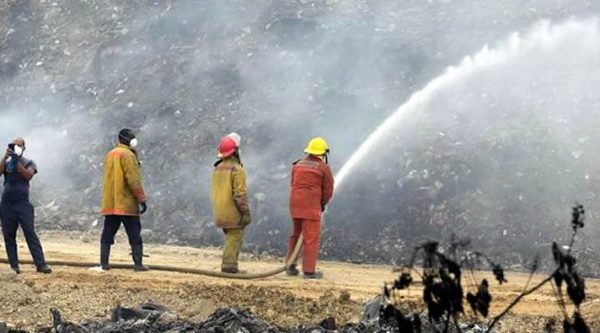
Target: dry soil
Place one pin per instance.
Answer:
(81, 294)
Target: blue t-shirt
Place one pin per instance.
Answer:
(16, 188)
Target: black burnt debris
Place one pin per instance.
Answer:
(480, 302)
(155, 318)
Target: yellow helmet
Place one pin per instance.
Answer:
(317, 146)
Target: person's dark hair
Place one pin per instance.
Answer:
(126, 135)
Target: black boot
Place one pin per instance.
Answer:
(292, 270)
(13, 257)
(43, 269)
(137, 252)
(104, 255)
(313, 275)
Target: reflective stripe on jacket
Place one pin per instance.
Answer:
(311, 189)
(229, 194)
(122, 189)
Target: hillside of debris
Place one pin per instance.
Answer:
(184, 73)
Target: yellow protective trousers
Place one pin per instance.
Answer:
(232, 247)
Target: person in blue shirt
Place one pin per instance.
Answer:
(15, 208)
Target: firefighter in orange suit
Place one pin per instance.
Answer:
(311, 190)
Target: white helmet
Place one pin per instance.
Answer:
(236, 138)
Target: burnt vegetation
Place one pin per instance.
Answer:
(444, 276)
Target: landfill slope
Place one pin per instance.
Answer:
(81, 294)
(183, 73)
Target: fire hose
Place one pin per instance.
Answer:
(240, 276)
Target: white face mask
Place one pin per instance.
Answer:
(133, 143)
(18, 150)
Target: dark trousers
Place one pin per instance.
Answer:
(13, 215)
(112, 223)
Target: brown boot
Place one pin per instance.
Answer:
(231, 270)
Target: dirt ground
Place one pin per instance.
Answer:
(81, 294)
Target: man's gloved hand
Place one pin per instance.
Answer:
(143, 207)
(246, 219)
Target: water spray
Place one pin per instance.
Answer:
(544, 36)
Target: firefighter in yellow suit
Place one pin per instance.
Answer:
(229, 197)
(123, 199)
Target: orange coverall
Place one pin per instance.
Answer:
(311, 190)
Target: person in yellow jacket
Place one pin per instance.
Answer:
(229, 197)
(123, 199)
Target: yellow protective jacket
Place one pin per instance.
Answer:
(122, 190)
(229, 194)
